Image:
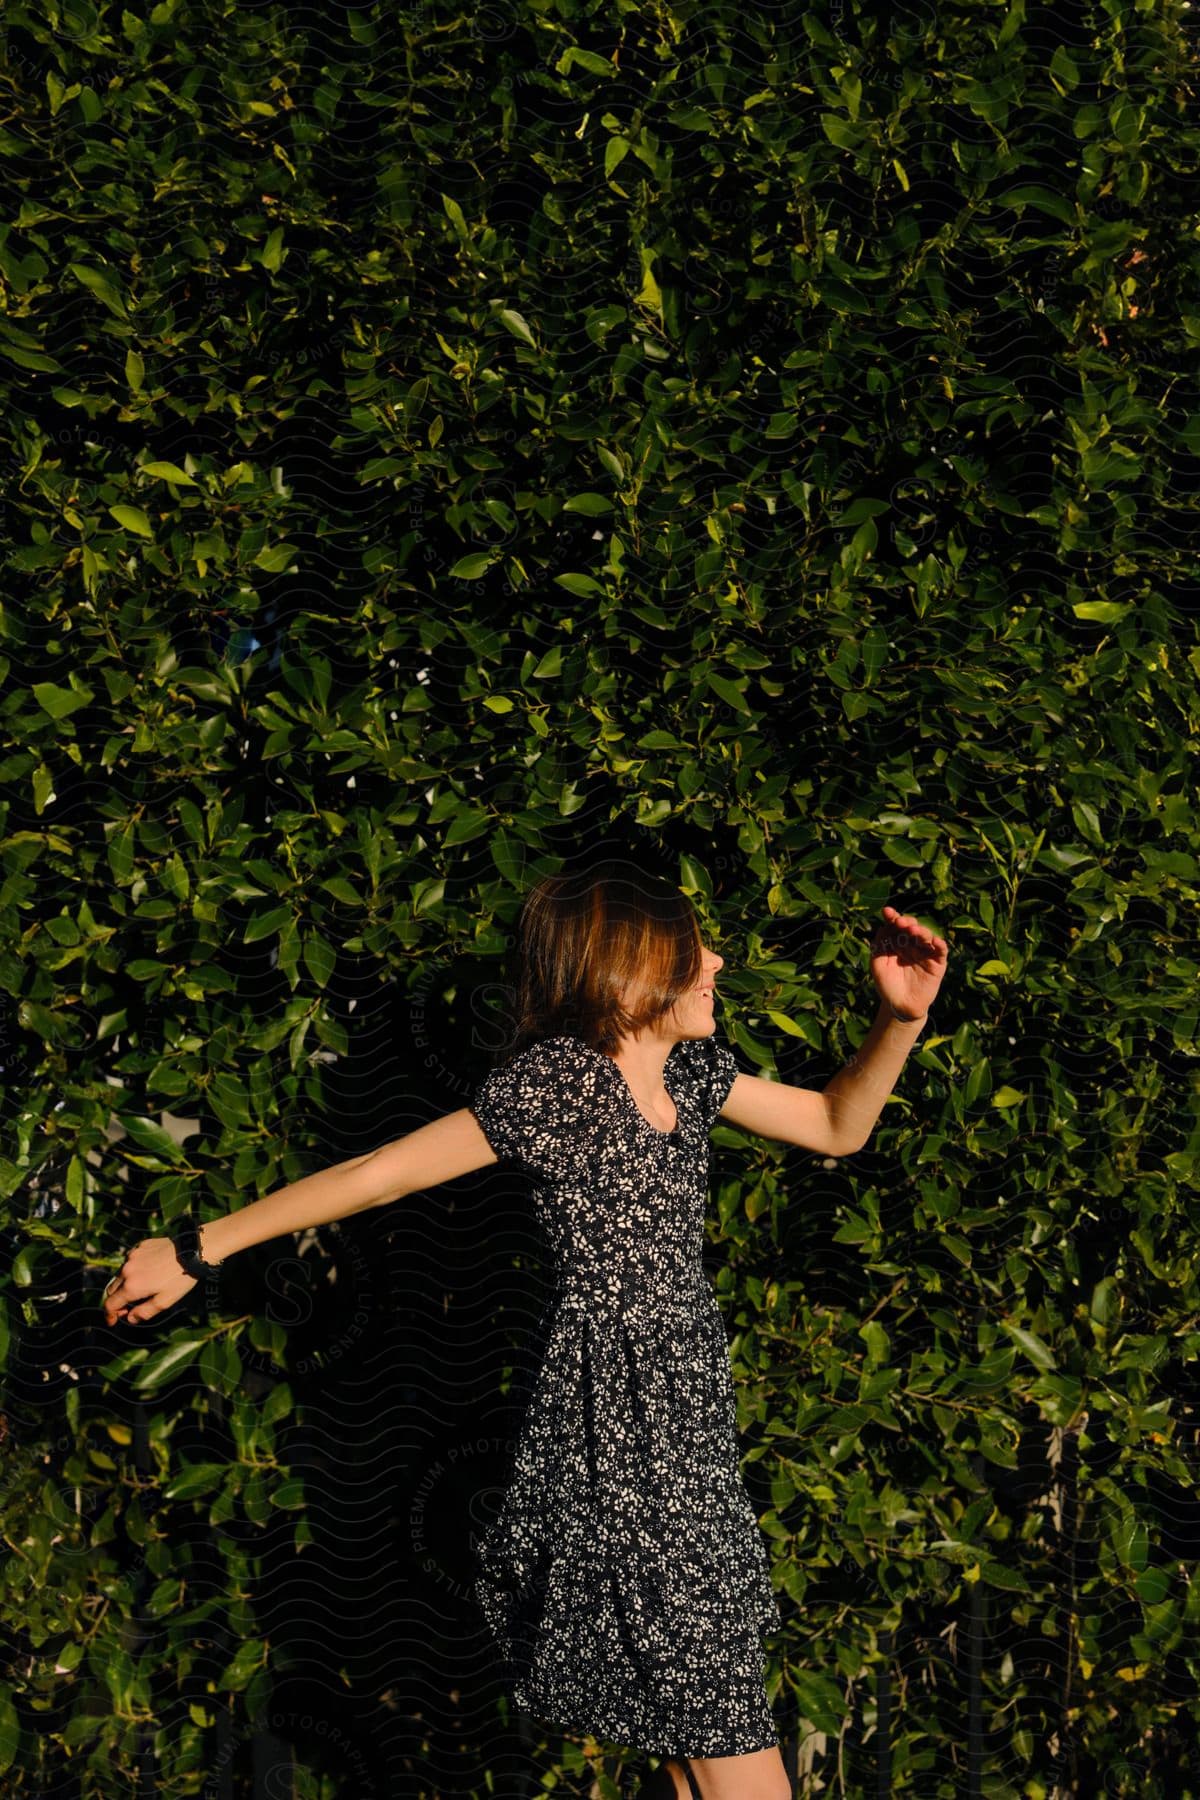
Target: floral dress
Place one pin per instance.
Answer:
(625, 1578)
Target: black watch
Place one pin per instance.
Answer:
(186, 1239)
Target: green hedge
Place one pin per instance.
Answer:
(440, 439)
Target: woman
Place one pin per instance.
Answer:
(625, 1578)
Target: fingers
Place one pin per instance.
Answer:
(116, 1299)
(118, 1304)
(906, 922)
(127, 1315)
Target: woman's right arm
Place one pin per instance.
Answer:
(151, 1278)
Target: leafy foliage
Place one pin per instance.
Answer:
(770, 439)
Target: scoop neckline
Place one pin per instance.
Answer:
(619, 1072)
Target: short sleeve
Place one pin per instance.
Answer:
(534, 1109)
(713, 1071)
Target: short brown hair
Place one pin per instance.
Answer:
(586, 934)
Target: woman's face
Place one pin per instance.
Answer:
(692, 1015)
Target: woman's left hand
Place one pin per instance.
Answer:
(908, 962)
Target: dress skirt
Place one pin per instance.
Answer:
(625, 1580)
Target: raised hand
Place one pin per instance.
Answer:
(150, 1280)
(907, 962)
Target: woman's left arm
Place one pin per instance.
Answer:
(907, 963)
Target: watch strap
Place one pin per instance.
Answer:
(186, 1239)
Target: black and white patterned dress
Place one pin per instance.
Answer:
(625, 1578)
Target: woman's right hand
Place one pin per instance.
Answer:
(149, 1281)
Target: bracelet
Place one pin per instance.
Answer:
(187, 1251)
(904, 1018)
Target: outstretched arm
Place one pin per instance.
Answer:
(839, 1118)
(151, 1278)
(857, 1094)
(907, 963)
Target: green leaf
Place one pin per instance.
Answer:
(978, 1082)
(579, 584)
(1101, 1305)
(819, 1697)
(168, 471)
(516, 324)
(693, 875)
(1037, 1352)
(24, 1263)
(593, 504)
(470, 568)
(220, 1366)
(194, 1478)
(509, 855)
(1007, 1096)
(1103, 612)
(59, 701)
(587, 59)
(167, 1361)
(1044, 199)
(904, 854)
(1064, 70)
(133, 519)
(1087, 821)
(691, 118)
(551, 664)
(1153, 1585)
(875, 649)
(278, 1404)
(465, 826)
(248, 1658)
(783, 1023)
(1004, 1576)
(264, 925)
(10, 1729)
(275, 557)
(100, 285)
(320, 958)
(861, 545)
(135, 370)
(856, 1230)
(498, 703)
(427, 895)
(31, 359)
(615, 152)
(289, 1493)
(613, 466)
(164, 1596)
(841, 132)
(151, 1137)
(454, 213)
(43, 789)
(649, 294)
(729, 692)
